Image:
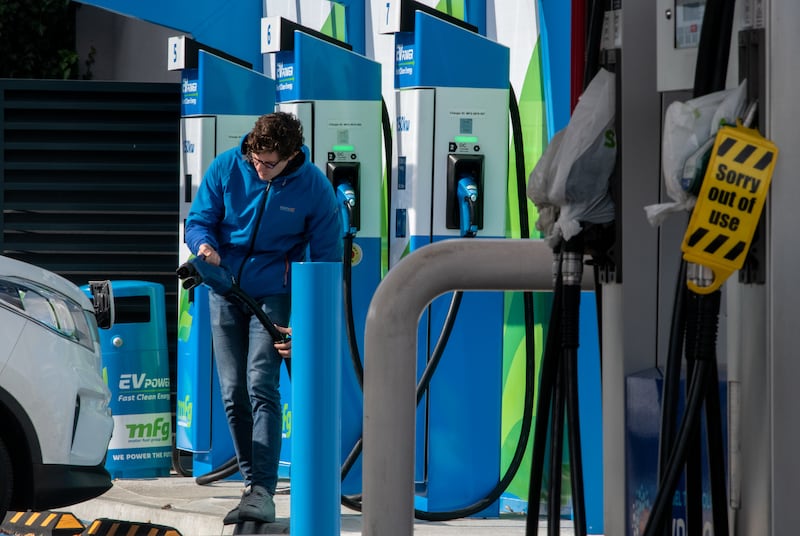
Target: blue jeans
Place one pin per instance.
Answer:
(249, 374)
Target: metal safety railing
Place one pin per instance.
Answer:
(391, 337)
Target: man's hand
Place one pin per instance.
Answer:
(284, 348)
(209, 254)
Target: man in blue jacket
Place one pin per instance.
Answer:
(261, 206)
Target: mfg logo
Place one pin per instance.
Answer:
(183, 412)
(160, 428)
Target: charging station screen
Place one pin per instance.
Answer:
(688, 21)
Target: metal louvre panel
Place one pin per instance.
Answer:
(89, 181)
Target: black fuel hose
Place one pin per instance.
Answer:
(670, 478)
(713, 50)
(556, 454)
(547, 383)
(710, 75)
(594, 36)
(569, 348)
(558, 384)
(701, 347)
(559, 397)
(672, 379)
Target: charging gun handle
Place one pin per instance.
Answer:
(468, 196)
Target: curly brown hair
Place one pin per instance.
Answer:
(280, 132)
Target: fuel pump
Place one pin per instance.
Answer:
(730, 226)
(214, 117)
(571, 182)
(336, 94)
(653, 456)
(452, 145)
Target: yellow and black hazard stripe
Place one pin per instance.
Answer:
(729, 203)
(114, 527)
(745, 153)
(44, 523)
(715, 242)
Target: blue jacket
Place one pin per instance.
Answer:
(260, 228)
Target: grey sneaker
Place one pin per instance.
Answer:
(258, 505)
(232, 517)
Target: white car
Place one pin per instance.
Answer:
(55, 420)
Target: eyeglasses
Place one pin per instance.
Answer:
(268, 165)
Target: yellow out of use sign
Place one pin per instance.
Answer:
(730, 202)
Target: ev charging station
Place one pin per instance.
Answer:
(220, 103)
(336, 94)
(452, 91)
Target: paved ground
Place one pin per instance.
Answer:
(194, 510)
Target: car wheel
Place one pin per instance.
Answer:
(6, 480)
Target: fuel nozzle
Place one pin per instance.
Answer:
(467, 199)
(347, 199)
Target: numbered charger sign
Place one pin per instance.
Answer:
(729, 204)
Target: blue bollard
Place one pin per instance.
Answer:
(316, 398)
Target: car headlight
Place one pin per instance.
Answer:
(49, 308)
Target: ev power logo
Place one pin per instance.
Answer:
(141, 388)
(287, 77)
(404, 59)
(141, 381)
(189, 91)
(284, 76)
